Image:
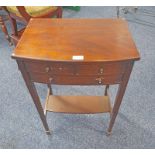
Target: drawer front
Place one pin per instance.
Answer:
(40, 77)
(75, 80)
(61, 69)
(37, 67)
(101, 69)
(77, 68)
(86, 80)
(76, 73)
(52, 68)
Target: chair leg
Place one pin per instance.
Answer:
(106, 90)
(14, 35)
(50, 89)
(4, 29)
(59, 12)
(13, 26)
(118, 11)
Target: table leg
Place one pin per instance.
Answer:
(119, 97)
(50, 89)
(106, 90)
(31, 87)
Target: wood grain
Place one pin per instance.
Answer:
(78, 104)
(61, 39)
(44, 54)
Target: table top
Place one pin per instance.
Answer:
(77, 40)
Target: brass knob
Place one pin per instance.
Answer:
(60, 68)
(99, 80)
(101, 70)
(50, 79)
(47, 69)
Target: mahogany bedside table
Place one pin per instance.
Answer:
(76, 52)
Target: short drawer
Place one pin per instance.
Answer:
(61, 69)
(101, 68)
(52, 68)
(37, 67)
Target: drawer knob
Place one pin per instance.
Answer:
(47, 69)
(101, 70)
(99, 80)
(50, 79)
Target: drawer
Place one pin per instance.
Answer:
(86, 80)
(38, 67)
(75, 79)
(61, 69)
(101, 69)
(79, 69)
(52, 68)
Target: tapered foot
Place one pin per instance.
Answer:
(10, 43)
(108, 133)
(48, 132)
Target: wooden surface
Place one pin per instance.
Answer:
(44, 54)
(78, 104)
(76, 73)
(61, 39)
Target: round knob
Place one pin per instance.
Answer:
(99, 80)
(101, 70)
(47, 69)
(60, 68)
(50, 79)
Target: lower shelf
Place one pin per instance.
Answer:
(78, 104)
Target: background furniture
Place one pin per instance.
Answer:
(125, 9)
(4, 18)
(75, 8)
(24, 14)
(81, 53)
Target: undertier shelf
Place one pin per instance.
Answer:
(78, 104)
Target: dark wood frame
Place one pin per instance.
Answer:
(25, 17)
(60, 67)
(33, 92)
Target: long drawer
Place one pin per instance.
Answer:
(76, 79)
(84, 69)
